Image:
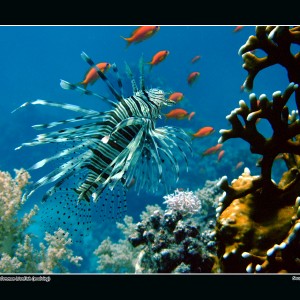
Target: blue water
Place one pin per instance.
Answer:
(33, 59)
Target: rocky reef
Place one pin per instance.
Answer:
(258, 226)
(181, 238)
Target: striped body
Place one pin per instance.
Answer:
(139, 113)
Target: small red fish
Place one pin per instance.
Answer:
(239, 165)
(191, 115)
(221, 154)
(177, 113)
(192, 77)
(91, 75)
(238, 28)
(202, 132)
(140, 34)
(194, 59)
(176, 96)
(158, 58)
(212, 150)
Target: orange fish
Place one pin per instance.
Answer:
(192, 77)
(191, 115)
(91, 75)
(202, 132)
(177, 113)
(221, 154)
(158, 58)
(238, 28)
(197, 57)
(239, 165)
(176, 96)
(212, 150)
(140, 34)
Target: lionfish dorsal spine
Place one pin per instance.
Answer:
(141, 67)
(70, 86)
(119, 81)
(132, 80)
(87, 59)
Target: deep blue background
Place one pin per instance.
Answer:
(33, 59)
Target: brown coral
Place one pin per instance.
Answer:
(258, 220)
(276, 42)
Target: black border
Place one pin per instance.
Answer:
(150, 13)
(162, 13)
(160, 286)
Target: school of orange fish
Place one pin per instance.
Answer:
(140, 34)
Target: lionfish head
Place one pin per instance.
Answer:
(159, 97)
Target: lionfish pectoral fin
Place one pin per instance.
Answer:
(21, 106)
(96, 195)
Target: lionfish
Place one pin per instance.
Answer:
(107, 152)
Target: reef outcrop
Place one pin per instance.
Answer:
(258, 220)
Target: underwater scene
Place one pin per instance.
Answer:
(150, 149)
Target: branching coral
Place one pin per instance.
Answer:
(121, 257)
(180, 239)
(50, 258)
(17, 253)
(258, 220)
(276, 41)
(57, 252)
(118, 257)
(11, 229)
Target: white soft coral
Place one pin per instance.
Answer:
(185, 202)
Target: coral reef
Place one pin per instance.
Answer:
(17, 253)
(118, 257)
(57, 252)
(171, 245)
(180, 239)
(258, 222)
(184, 202)
(122, 256)
(276, 42)
(11, 229)
(174, 240)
